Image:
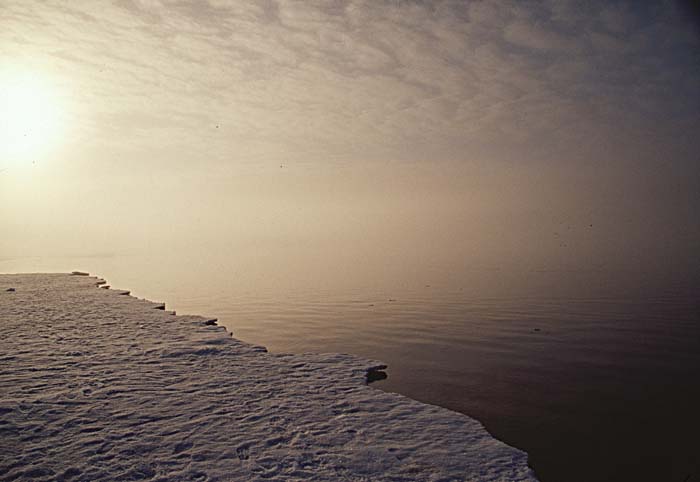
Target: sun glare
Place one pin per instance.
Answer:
(30, 118)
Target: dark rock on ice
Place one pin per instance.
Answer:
(376, 374)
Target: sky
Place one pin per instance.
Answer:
(438, 134)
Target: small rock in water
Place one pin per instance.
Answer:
(536, 329)
(10, 289)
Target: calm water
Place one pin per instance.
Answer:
(595, 380)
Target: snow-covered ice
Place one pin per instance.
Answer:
(98, 385)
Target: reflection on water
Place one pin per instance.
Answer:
(593, 389)
(594, 383)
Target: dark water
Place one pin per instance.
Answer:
(594, 380)
(592, 388)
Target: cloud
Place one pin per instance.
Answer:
(356, 80)
(538, 38)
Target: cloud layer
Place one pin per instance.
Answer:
(364, 80)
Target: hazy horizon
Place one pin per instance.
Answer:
(353, 139)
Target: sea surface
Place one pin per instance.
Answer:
(595, 374)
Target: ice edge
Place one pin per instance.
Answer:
(373, 370)
(446, 444)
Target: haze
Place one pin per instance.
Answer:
(354, 141)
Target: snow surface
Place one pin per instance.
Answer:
(99, 385)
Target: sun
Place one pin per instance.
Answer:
(31, 118)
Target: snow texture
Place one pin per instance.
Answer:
(99, 385)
